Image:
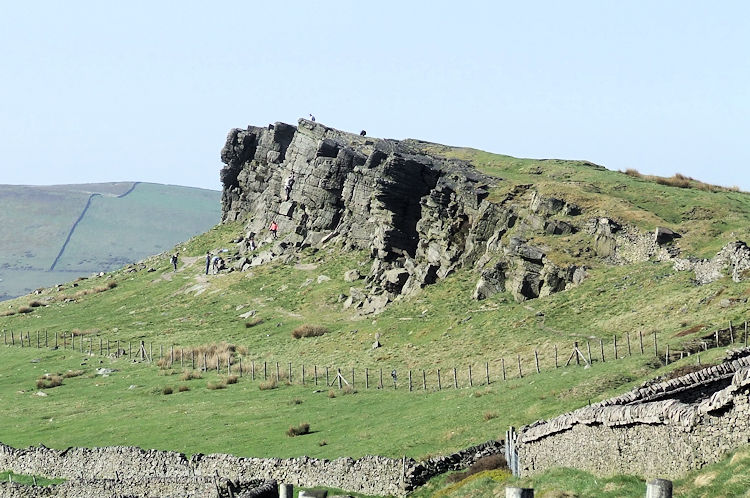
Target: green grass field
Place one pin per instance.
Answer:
(441, 328)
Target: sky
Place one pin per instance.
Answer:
(147, 91)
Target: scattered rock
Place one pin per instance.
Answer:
(352, 275)
(323, 278)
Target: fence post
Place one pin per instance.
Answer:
(513, 492)
(192, 359)
(182, 357)
(352, 377)
(290, 372)
(130, 349)
(410, 386)
(315, 374)
(716, 334)
(656, 348)
(666, 356)
(37, 339)
(205, 362)
(381, 379)
(455, 379)
(367, 378)
(555, 355)
(536, 360)
(303, 374)
(240, 366)
(265, 371)
(502, 360)
(471, 382)
(659, 488)
(252, 369)
(745, 333)
(338, 376)
(328, 382)
(424, 381)
(57, 345)
(171, 356)
(731, 333)
(440, 385)
(487, 371)
(615, 343)
(520, 373)
(640, 339)
(46, 344)
(218, 363)
(278, 376)
(630, 353)
(588, 347)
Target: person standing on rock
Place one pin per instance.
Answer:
(288, 186)
(173, 260)
(208, 261)
(273, 228)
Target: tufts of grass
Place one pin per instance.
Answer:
(25, 309)
(489, 416)
(36, 304)
(183, 388)
(331, 393)
(10, 312)
(491, 462)
(73, 373)
(167, 390)
(252, 323)
(232, 379)
(214, 385)
(48, 381)
(266, 385)
(301, 429)
(309, 331)
(190, 375)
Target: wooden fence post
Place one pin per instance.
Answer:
(536, 360)
(252, 369)
(455, 379)
(352, 377)
(502, 360)
(338, 376)
(278, 375)
(410, 387)
(315, 374)
(218, 364)
(520, 373)
(471, 381)
(716, 334)
(440, 385)
(381, 379)
(615, 343)
(303, 374)
(367, 378)
(37, 339)
(290, 372)
(192, 359)
(731, 333)
(601, 348)
(630, 353)
(555, 355)
(328, 382)
(487, 371)
(265, 371)
(205, 362)
(240, 366)
(656, 347)
(640, 339)
(588, 347)
(424, 381)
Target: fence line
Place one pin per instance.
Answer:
(462, 377)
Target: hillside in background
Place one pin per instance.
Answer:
(53, 234)
(468, 275)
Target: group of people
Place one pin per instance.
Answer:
(214, 262)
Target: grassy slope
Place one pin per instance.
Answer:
(440, 328)
(35, 221)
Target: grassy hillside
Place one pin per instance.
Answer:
(122, 224)
(441, 328)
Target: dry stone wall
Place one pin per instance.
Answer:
(648, 431)
(165, 470)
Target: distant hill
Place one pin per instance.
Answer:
(53, 234)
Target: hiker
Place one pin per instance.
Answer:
(251, 243)
(218, 264)
(208, 261)
(312, 118)
(362, 133)
(173, 260)
(273, 228)
(288, 185)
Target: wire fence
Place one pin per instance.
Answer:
(228, 360)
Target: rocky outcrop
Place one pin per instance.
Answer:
(419, 216)
(733, 259)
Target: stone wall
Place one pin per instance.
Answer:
(371, 475)
(162, 488)
(648, 431)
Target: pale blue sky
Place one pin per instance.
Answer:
(110, 91)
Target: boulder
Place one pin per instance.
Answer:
(352, 275)
(664, 235)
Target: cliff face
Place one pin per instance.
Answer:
(418, 215)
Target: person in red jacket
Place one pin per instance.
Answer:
(273, 228)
